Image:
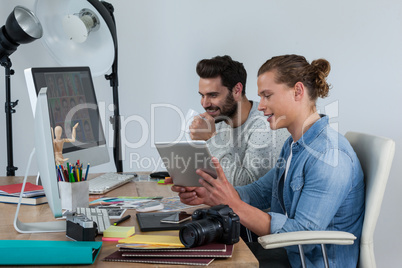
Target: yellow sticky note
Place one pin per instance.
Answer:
(119, 231)
(165, 240)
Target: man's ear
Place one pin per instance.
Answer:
(237, 91)
(299, 91)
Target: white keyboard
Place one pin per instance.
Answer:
(100, 216)
(108, 181)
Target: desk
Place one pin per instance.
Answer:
(242, 256)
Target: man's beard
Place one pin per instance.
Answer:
(228, 109)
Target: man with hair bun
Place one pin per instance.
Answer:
(320, 186)
(235, 131)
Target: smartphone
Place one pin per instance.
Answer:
(178, 217)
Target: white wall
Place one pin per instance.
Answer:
(161, 41)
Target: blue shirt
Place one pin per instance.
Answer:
(324, 190)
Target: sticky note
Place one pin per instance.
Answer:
(119, 231)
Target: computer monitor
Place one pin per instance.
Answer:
(71, 97)
(47, 169)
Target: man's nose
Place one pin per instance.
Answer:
(260, 107)
(205, 102)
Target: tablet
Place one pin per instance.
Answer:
(183, 158)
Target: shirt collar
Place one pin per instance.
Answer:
(315, 130)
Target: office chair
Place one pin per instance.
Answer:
(375, 155)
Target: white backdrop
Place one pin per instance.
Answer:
(161, 41)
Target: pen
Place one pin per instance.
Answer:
(86, 172)
(122, 219)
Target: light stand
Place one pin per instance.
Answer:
(21, 27)
(9, 108)
(114, 83)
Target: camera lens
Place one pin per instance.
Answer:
(200, 232)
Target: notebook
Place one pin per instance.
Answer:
(180, 254)
(118, 257)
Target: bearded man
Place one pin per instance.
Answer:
(235, 131)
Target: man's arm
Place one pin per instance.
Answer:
(257, 152)
(202, 127)
(220, 191)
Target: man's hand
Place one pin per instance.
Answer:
(214, 191)
(189, 195)
(219, 190)
(202, 127)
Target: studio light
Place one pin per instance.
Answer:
(83, 33)
(21, 27)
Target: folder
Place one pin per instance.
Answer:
(40, 252)
(163, 240)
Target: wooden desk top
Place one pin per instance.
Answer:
(242, 256)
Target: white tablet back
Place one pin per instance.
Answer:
(183, 158)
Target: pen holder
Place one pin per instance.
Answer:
(74, 194)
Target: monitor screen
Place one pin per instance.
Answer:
(72, 99)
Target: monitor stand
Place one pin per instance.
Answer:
(35, 227)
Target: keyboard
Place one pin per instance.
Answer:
(108, 181)
(100, 216)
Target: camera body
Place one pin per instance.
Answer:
(218, 223)
(80, 228)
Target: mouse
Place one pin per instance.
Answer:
(159, 175)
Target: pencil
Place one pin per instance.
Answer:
(78, 173)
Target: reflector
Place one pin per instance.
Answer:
(95, 50)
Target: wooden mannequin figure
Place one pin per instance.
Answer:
(58, 143)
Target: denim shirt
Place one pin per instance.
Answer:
(324, 190)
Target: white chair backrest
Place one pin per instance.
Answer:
(375, 155)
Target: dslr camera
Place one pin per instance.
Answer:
(216, 224)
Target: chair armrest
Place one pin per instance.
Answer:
(306, 237)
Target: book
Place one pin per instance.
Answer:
(118, 257)
(15, 189)
(180, 254)
(34, 200)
